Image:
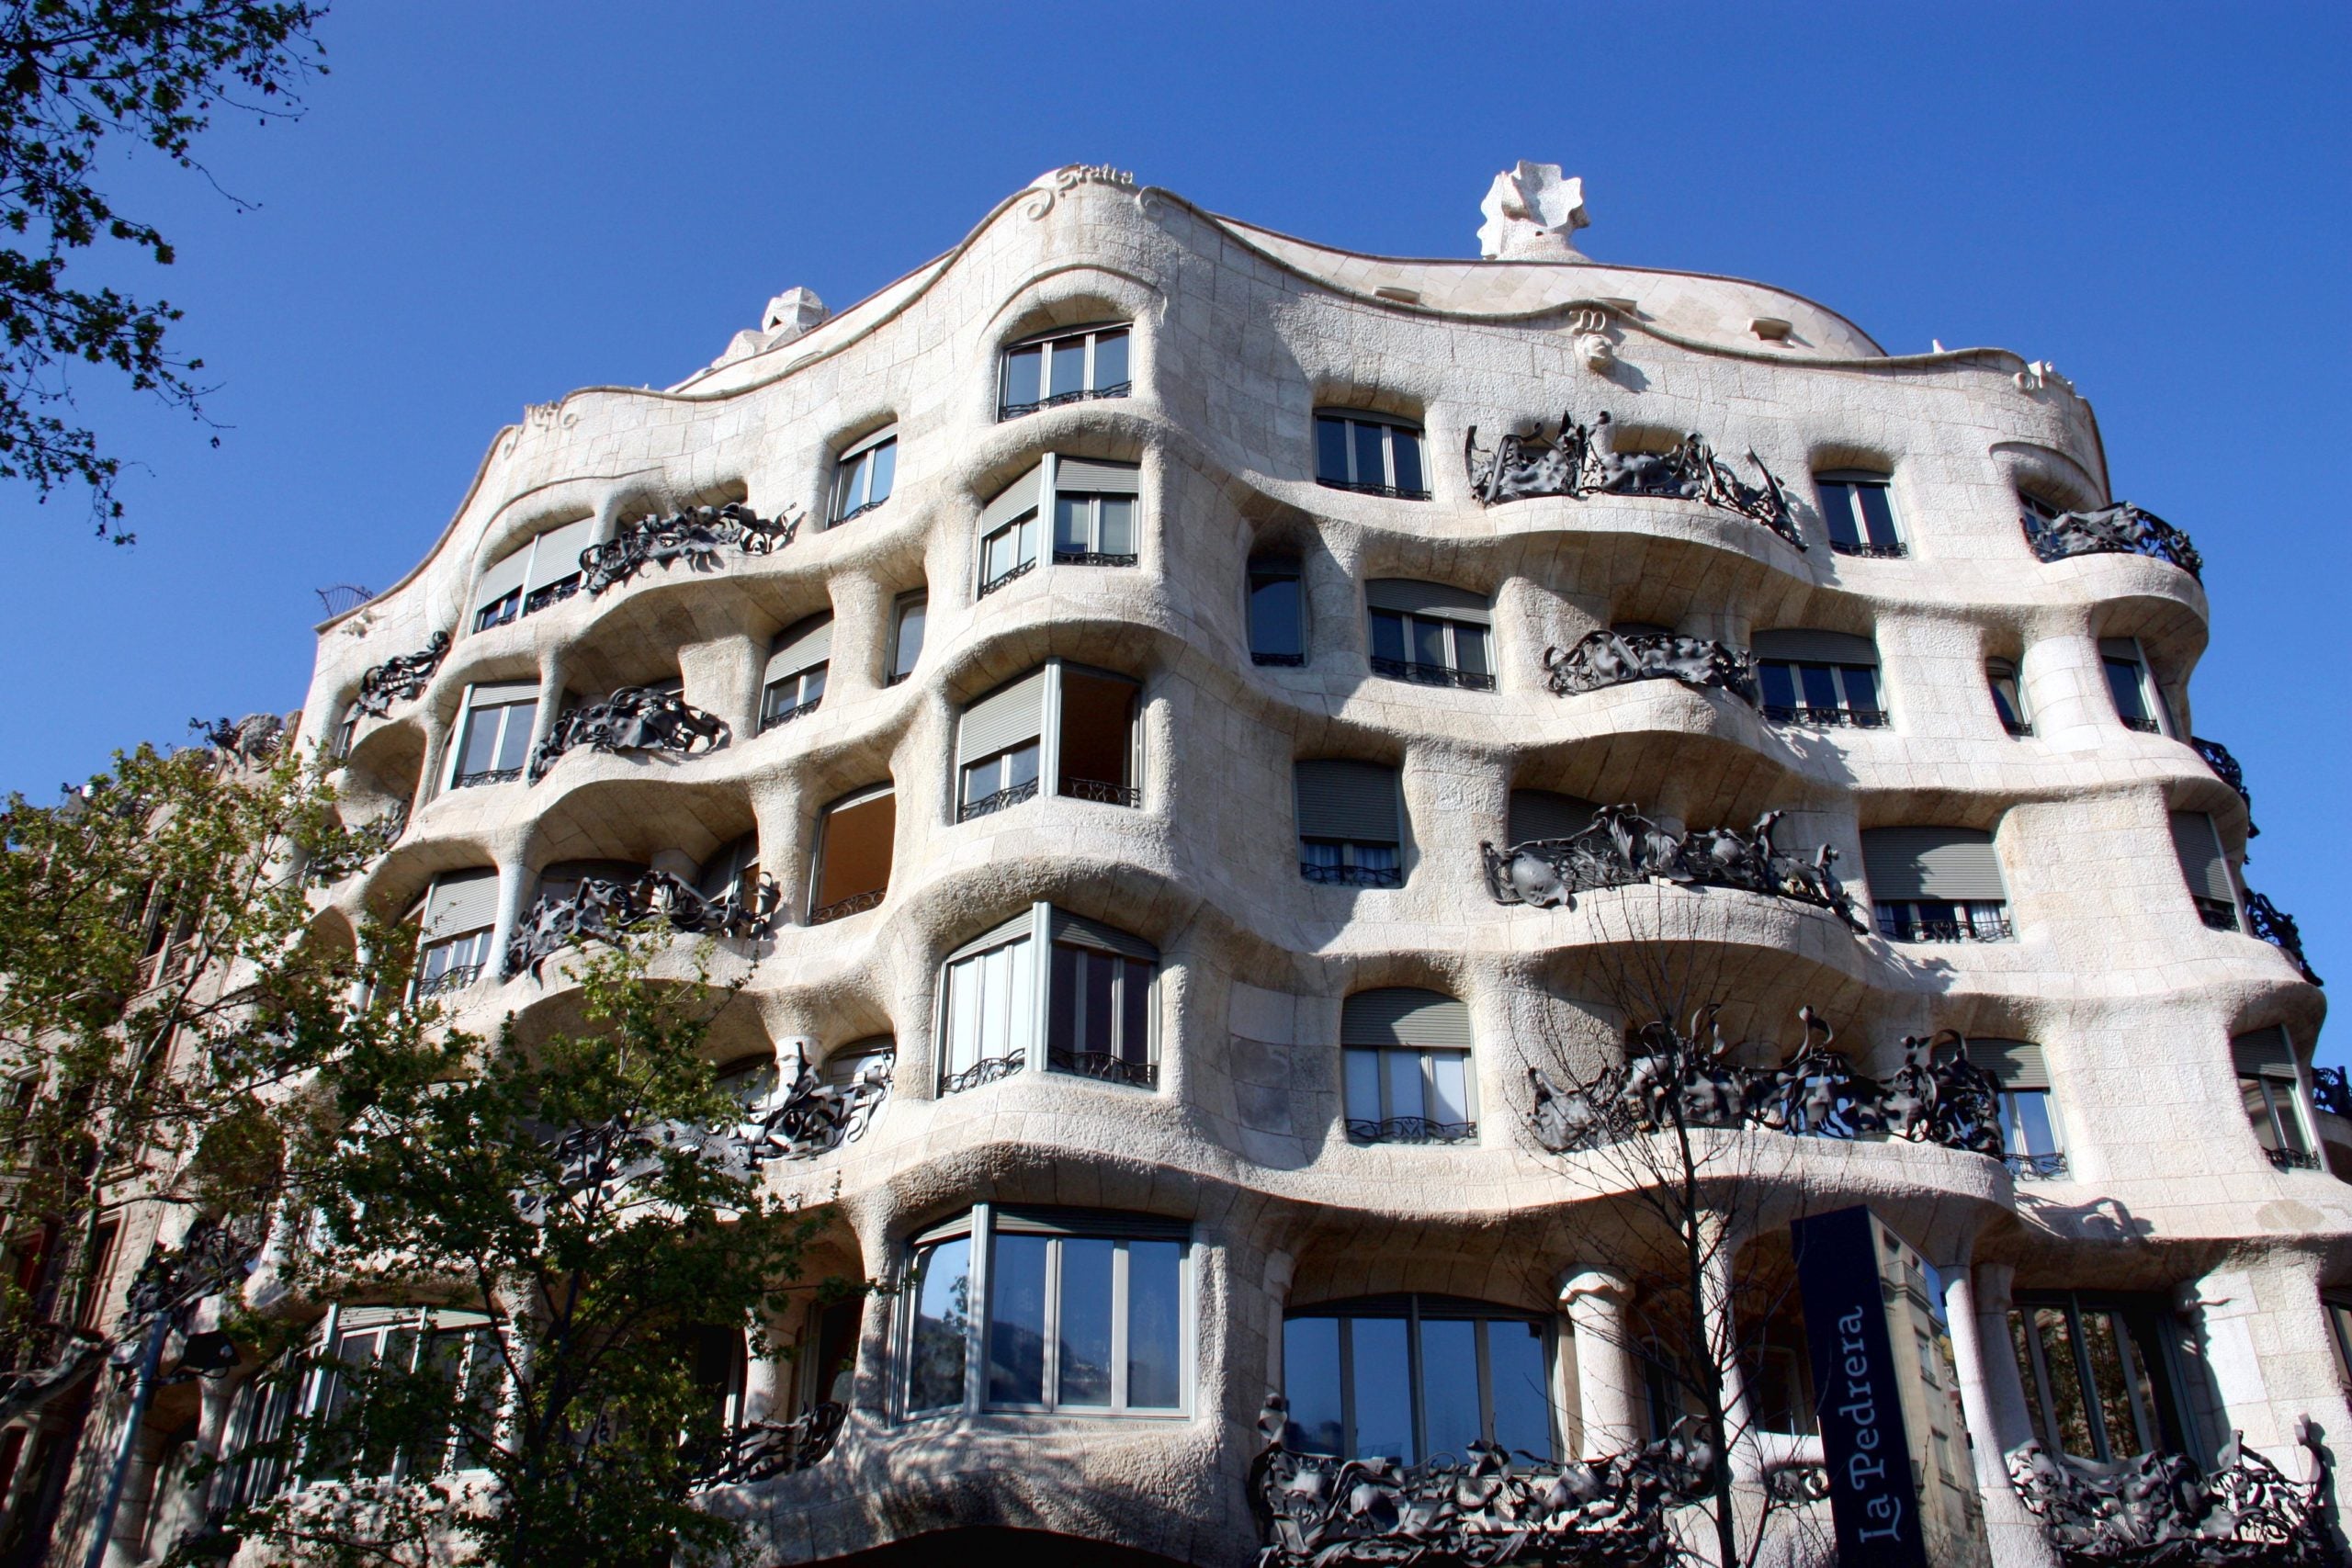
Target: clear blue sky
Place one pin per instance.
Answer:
(491, 204)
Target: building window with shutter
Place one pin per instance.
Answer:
(1407, 1378)
(989, 1015)
(1348, 818)
(1078, 726)
(853, 844)
(1098, 1004)
(1069, 364)
(1539, 814)
(795, 684)
(2008, 697)
(1935, 884)
(1859, 507)
(862, 477)
(544, 572)
(495, 740)
(2273, 1097)
(1277, 612)
(1407, 1077)
(1430, 633)
(1094, 512)
(1373, 454)
(2129, 684)
(2100, 1373)
(1009, 532)
(2029, 1128)
(1819, 678)
(2202, 866)
(907, 619)
(454, 930)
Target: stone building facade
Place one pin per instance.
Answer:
(1197, 739)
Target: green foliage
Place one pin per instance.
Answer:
(79, 77)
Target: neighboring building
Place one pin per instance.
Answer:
(1138, 726)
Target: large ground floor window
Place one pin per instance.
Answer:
(2100, 1376)
(1408, 1378)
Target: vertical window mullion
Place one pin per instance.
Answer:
(1479, 1331)
(1347, 1387)
(976, 1317)
(1413, 1377)
(1121, 1302)
(2087, 1381)
(1050, 1370)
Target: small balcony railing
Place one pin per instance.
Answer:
(1083, 395)
(1101, 790)
(1094, 558)
(1012, 574)
(761, 1451)
(1409, 1130)
(455, 979)
(842, 908)
(985, 1071)
(1003, 799)
(785, 715)
(2038, 1167)
(2274, 925)
(1392, 492)
(855, 513)
(1102, 1065)
(486, 776)
(1352, 875)
(2017, 728)
(553, 594)
(2142, 723)
(1290, 661)
(1432, 674)
(2219, 914)
(2225, 767)
(1826, 717)
(1895, 926)
(1868, 550)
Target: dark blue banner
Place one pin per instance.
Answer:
(1857, 1389)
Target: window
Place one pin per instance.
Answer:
(1094, 512)
(989, 1020)
(795, 683)
(751, 1081)
(2339, 1306)
(2098, 1373)
(454, 930)
(2128, 683)
(1819, 678)
(862, 479)
(1089, 717)
(1348, 818)
(2274, 1100)
(1408, 1378)
(732, 874)
(1430, 633)
(1935, 884)
(907, 618)
(346, 730)
(854, 843)
(2205, 870)
(1099, 1006)
(1009, 532)
(1859, 511)
(1371, 453)
(495, 740)
(1066, 365)
(849, 1064)
(2008, 697)
(1277, 612)
(1098, 750)
(1545, 814)
(1407, 1074)
(459, 1349)
(2029, 1126)
(545, 571)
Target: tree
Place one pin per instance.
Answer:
(82, 76)
(589, 1202)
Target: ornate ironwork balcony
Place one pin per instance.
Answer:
(1101, 790)
(1826, 717)
(985, 1071)
(2225, 767)
(400, 678)
(1489, 1508)
(452, 979)
(761, 1451)
(808, 1117)
(1083, 395)
(486, 776)
(2331, 1093)
(599, 911)
(855, 513)
(696, 535)
(2291, 1159)
(2164, 1510)
(2219, 914)
(1102, 1065)
(2119, 529)
(1670, 1078)
(1094, 558)
(1583, 461)
(1012, 574)
(635, 718)
(553, 594)
(1392, 492)
(1611, 659)
(1290, 660)
(2038, 1167)
(1868, 550)
(2274, 925)
(1897, 925)
(842, 908)
(1352, 875)
(361, 848)
(785, 715)
(1409, 1130)
(1431, 675)
(1624, 848)
(1003, 799)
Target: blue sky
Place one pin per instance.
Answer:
(490, 205)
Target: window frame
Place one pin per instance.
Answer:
(2153, 719)
(1049, 775)
(2169, 1426)
(522, 599)
(1864, 545)
(854, 469)
(1111, 1066)
(806, 686)
(2015, 716)
(856, 903)
(1048, 342)
(1391, 425)
(1968, 920)
(313, 1381)
(1029, 1046)
(915, 600)
(1264, 571)
(1409, 1308)
(1431, 1131)
(1412, 670)
(1846, 715)
(467, 711)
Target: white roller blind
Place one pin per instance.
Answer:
(1018, 497)
(491, 694)
(504, 575)
(557, 555)
(1094, 933)
(2120, 647)
(1797, 645)
(2013, 1063)
(888, 433)
(1403, 1015)
(2265, 1052)
(461, 901)
(1547, 814)
(2200, 847)
(807, 643)
(1441, 599)
(1905, 863)
(1003, 719)
(1341, 798)
(1096, 476)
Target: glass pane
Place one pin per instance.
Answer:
(1449, 1386)
(1428, 643)
(1017, 1320)
(1406, 448)
(1276, 624)
(2022, 1345)
(1388, 635)
(1878, 513)
(1020, 374)
(2112, 1384)
(1861, 687)
(1020, 766)
(979, 779)
(1820, 685)
(2257, 1111)
(514, 740)
(1403, 1071)
(1520, 1385)
(2031, 1133)
(962, 1013)
(1382, 1385)
(909, 646)
(1155, 1325)
(2123, 682)
(1073, 523)
(853, 487)
(2005, 702)
(943, 1300)
(1085, 1374)
(2070, 1416)
(1780, 684)
(1311, 1382)
(1068, 369)
(1372, 467)
(1102, 980)
(812, 683)
(882, 467)
(1363, 1086)
(1110, 360)
(1331, 450)
(1449, 1088)
(1470, 651)
(480, 743)
(1135, 1012)
(1118, 526)
(1062, 1013)
(1838, 512)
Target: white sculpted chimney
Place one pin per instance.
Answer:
(1533, 214)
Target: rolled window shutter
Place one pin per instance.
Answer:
(1091, 1222)
(2265, 1052)
(2120, 647)
(461, 901)
(557, 555)
(2013, 1063)
(1003, 719)
(856, 448)
(2200, 847)
(1012, 929)
(802, 645)
(1547, 814)
(359, 1320)
(1094, 933)
(1339, 798)
(1096, 476)
(492, 694)
(1403, 1015)
(1907, 864)
(1796, 644)
(1439, 598)
(504, 575)
(1854, 476)
(1018, 497)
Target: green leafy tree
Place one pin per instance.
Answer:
(82, 78)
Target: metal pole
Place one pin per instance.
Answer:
(151, 1358)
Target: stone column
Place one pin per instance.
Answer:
(1609, 1378)
(1992, 1399)
(2066, 697)
(1723, 1345)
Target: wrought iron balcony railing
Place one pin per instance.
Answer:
(1290, 660)
(1622, 849)
(455, 979)
(785, 715)
(2119, 529)
(1895, 926)
(1581, 461)
(486, 776)
(985, 1071)
(1010, 575)
(840, 909)
(634, 718)
(1101, 790)
(1431, 675)
(401, 678)
(1352, 875)
(695, 536)
(1094, 558)
(1868, 549)
(2274, 925)
(553, 594)
(2142, 723)
(2225, 767)
(808, 1117)
(1103, 1065)
(761, 1451)
(1611, 658)
(1083, 395)
(2331, 1093)
(2291, 1159)
(2166, 1509)
(2017, 728)
(2038, 1167)
(989, 804)
(2219, 914)
(603, 910)
(1820, 717)
(1409, 1130)
(1393, 492)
